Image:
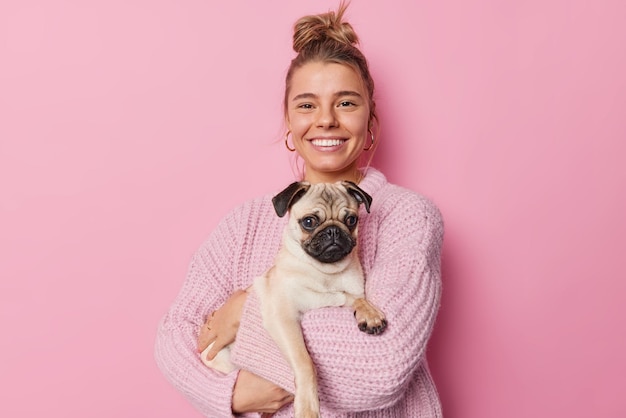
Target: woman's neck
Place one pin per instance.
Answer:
(353, 175)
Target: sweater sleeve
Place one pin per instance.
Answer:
(208, 284)
(356, 371)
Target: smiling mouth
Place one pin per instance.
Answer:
(327, 142)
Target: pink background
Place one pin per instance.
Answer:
(128, 128)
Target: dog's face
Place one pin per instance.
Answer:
(323, 217)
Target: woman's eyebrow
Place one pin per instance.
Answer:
(338, 94)
(347, 93)
(304, 96)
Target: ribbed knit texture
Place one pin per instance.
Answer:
(386, 375)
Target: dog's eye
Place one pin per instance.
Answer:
(309, 223)
(351, 221)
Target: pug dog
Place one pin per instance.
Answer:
(316, 266)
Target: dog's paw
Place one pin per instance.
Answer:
(368, 318)
(373, 329)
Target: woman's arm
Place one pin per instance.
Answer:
(211, 281)
(206, 287)
(358, 371)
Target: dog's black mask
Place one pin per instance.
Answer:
(330, 245)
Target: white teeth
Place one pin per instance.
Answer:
(327, 142)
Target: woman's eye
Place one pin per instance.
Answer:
(346, 104)
(310, 222)
(305, 106)
(351, 221)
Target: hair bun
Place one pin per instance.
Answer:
(315, 29)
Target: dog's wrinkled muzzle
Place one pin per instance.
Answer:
(330, 245)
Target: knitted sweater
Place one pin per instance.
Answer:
(359, 375)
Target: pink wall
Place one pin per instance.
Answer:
(128, 128)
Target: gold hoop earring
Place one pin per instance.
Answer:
(372, 139)
(286, 143)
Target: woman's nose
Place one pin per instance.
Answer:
(327, 118)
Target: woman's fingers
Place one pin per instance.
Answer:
(217, 345)
(220, 327)
(205, 338)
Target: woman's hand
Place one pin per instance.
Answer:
(251, 392)
(255, 394)
(222, 325)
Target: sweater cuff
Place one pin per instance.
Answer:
(255, 350)
(207, 390)
(222, 403)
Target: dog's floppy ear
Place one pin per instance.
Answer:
(358, 193)
(285, 199)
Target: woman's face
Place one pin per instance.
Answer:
(328, 116)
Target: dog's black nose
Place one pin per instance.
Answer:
(333, 232)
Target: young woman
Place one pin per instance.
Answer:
(330, 115)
